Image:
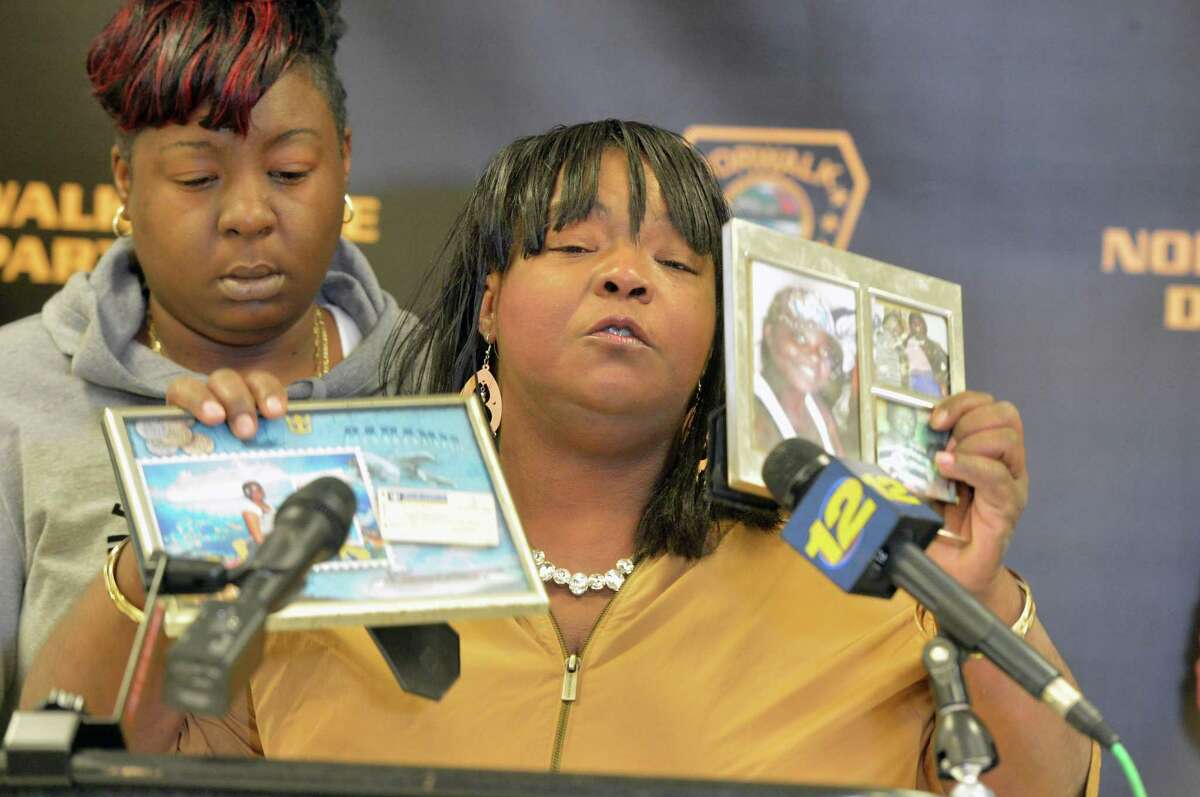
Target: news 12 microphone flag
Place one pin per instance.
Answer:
(1042, 155)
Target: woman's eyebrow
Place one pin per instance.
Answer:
(199, 144)
(598, 208)
(206, 144)
(288, 135)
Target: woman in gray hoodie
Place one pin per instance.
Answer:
(232, 161)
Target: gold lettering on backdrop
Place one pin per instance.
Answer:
(1170, 253)
(70, 205)
(1167, 253)
(364, 227)
(35, 202)
(37, 205)
(68, 255)
(44, 258)
(29, 260)
(1182, 308)
(1162, 253)
(1119, 249)
(804, 166)
(8, 198)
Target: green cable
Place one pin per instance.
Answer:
(1127, 766)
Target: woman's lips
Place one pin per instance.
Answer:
(251, 289)
(621, 330)
(619, 337)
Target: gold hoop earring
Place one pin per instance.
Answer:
(116, 223)
(348, 216)
(484, 384)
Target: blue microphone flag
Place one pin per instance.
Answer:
(846, 515)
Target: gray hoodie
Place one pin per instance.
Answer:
(61, 368)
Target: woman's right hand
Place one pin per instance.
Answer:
(232, 397)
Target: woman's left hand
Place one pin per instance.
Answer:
(986, 455)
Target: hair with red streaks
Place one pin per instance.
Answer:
(158, 61)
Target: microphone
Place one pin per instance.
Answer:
(865, 531)
(220, 649)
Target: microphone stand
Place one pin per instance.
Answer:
(962, 746)
(39, 744)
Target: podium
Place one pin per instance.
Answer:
(117, 773)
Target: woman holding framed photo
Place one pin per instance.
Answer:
(580, 286)
(232, 160)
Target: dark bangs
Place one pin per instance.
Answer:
(694, 202)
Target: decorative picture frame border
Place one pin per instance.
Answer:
(436, 451)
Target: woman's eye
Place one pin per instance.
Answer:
(288, 177)
(678, 265)
(196, 182)
(570, 249)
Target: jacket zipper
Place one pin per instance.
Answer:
(572, 662)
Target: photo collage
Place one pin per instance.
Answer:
(847, 352)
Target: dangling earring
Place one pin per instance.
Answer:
(116, 223)
(348, 216)
(484, 383)
(690, 420)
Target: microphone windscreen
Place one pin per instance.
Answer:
(333, 498)
(790, 463)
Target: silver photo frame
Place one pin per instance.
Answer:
(812, 345)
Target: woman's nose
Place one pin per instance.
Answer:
(624, 279)
(246, 213)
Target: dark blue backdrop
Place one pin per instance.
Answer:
(1001, 139)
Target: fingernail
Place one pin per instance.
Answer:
(244, 426)
(944, 458)
(213, 411)
(274, 405)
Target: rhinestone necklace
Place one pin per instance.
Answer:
(581, 582)
(320, 341)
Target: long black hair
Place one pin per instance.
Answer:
(510, 207)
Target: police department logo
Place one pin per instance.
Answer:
(809, 183)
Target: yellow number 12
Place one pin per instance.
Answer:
(845, 509)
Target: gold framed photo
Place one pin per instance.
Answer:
(816, 338)
(435, 535)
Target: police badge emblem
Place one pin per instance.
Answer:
(808, 183)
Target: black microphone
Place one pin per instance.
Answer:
(221, 648)
(865, 531)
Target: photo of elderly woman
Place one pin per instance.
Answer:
(805, 381)
(910, 349)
